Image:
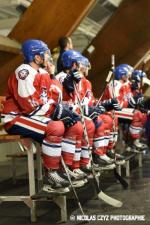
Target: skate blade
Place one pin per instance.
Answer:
(49, 189)
(109, 167)
(134, 150)
(120, 162)
(91, 176)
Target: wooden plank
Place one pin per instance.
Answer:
(126, 34)
(49, 20)
(9, 138)
(9, 45)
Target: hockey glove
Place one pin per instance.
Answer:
(135, 101)
(111, 104)
(94, 112)
(75, 75)
(68, 84)
(139, 99)
(64, 114)
(68, 81)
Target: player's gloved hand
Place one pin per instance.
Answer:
(111, 104)
(101, 109)
(75, 75)
(139, 99)
(63, 113)
(94, 112)
(115, 104)
(135, 101)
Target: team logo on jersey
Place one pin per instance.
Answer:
(22, 74)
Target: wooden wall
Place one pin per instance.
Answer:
(126, 34)
(50, 19)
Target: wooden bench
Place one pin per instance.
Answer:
(30, 200)
(128, 158)
(13, 158)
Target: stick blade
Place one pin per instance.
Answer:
(109, 200)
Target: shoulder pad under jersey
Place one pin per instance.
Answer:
(25, 71)
(61, 76)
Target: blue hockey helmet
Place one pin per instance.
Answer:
(130, 68)
(121, 71)
(69, 57)
(138, 74)
(33, 47)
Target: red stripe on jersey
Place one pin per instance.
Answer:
(124, 115)
(31, 123)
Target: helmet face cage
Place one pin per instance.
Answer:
(47, 56)
(85, 63)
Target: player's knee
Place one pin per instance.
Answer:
(55, 128)
(107, 121)
(78, 129)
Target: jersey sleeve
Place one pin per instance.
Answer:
(86, 93)
(118, 90)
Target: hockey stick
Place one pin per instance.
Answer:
(144, 59)
(108, 78)
(74, 191)
(120, 179)
(101, 195)
(117, 175)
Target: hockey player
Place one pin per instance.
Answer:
(33, 109)
(123, 93)
(105, 137)
(72, 72)
(138, 80)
